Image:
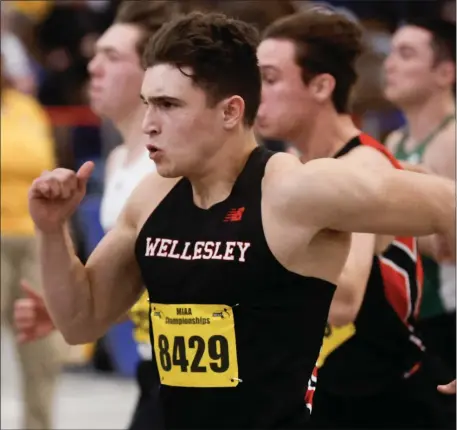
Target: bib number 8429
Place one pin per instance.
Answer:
(195, 345)
(176, 354)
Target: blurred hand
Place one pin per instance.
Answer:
(447, 389)
(31, 318)
(55, 195)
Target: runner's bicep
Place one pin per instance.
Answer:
(381, 201)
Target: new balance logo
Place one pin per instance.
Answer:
(234, 215)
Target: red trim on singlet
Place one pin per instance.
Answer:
(396, 281)
(309, 396)
(420, 285)
(370, 141)
(397, 288)
(412, 371)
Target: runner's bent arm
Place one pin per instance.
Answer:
(85, 301)
(332, 194)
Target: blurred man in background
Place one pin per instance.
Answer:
(116, 77)
(371, 355)
(420, 80)
(27, 149)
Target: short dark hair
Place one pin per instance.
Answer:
(443, 36)
(147, 15)
(220, 51)
(325, 42)
(258, 13)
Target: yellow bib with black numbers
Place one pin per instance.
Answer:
(195, 345)
(334, 337)
(139, 314)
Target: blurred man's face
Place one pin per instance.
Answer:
(184, 131)
(286, 107)
(115, 73)
(411, 74)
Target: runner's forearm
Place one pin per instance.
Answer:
(65, 285)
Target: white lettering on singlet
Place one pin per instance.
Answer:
(200, 250)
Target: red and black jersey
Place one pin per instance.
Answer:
(381, 345)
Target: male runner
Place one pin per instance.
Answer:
(420, 80)
(371, 354)
(239, 249)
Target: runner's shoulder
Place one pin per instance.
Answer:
(148, 194)
(287, 179)
(444, 140)
(279, 171)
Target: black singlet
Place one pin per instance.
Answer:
(235, 335)
(382, 346)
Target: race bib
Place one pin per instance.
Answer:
(334, 337)
(195, 345)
